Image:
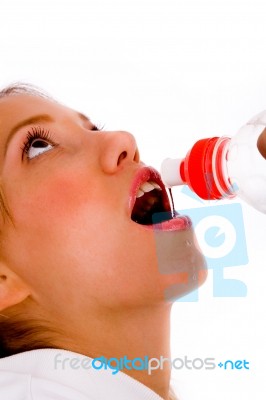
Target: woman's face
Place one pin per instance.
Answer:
(70, 190)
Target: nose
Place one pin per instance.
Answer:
(117, 149)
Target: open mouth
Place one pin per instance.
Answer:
(150, 206)
(149, 200)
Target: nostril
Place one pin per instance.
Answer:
(122, 156)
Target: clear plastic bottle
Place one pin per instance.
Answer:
(223, 167)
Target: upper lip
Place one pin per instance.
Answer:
(145, 174)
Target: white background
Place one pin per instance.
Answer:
(170, 72)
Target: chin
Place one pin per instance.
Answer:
(181, 263)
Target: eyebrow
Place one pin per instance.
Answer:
(34, 120)
(84, 117)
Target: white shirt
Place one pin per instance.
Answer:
(39, 375)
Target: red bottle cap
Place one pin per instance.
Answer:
(197, 169)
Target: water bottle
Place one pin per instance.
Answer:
(224, 167)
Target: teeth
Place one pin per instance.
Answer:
(155, 185)
(147, 187)
(140, 193)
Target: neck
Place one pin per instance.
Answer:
(134, 334)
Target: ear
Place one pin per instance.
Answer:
(12, 288)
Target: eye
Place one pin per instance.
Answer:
(38, 141)
(38, 147)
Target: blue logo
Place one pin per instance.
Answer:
(230, 364)
(221, 236)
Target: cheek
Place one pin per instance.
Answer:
(67, 226)
(57, 198)
(49, 219)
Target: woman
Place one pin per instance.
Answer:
(86, 269)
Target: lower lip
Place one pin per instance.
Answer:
(178, 223)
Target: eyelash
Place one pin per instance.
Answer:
(44, 134)
(36, 133)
